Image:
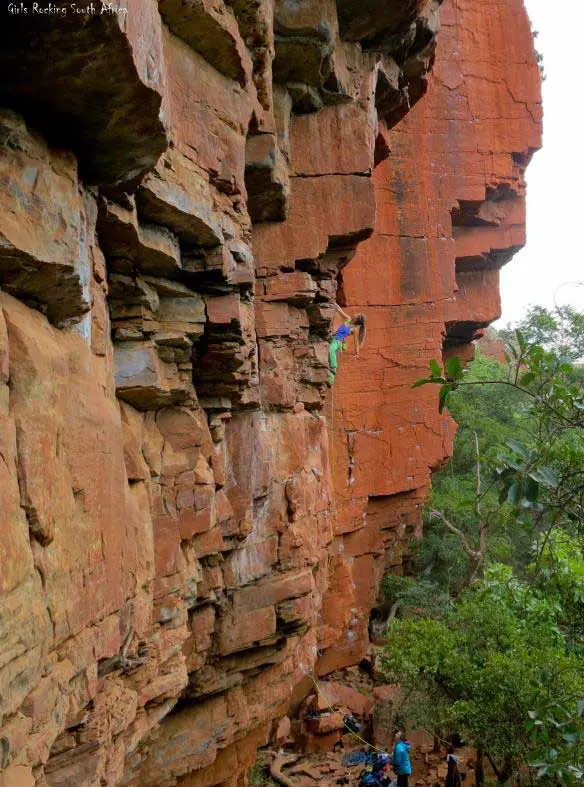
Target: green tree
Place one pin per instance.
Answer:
(539, 472)
(485, 665)
(464, 497)
(488, 638)
(560, 329)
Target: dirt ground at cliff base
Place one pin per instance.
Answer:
(306, 770)
(288, 765)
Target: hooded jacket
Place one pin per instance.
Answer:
(400, 759)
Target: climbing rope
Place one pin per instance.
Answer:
(333, 417)
(334, 511)
(337, 713)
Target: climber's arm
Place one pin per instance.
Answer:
(340, 311)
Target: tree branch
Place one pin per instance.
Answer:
(478, 496)
(463, 539)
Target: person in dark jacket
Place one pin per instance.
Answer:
(453, 774)
(400, 759)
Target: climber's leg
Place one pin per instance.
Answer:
(334, 347)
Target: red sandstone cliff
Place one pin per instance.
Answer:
(189, 515)
(450, 212)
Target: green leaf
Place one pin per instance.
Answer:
(531, 490)
(545, 476)
(518, 447)
(435, 368)
(419, 383)
(428, 380)
(527, 378)
(514, 463)
(444, 391)
(514, 493)
(454, 368)
(570, 737)
(520, 340)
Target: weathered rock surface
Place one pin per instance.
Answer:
(450, 211)
(42, 249)
(192, 521)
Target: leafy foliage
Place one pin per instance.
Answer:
(489, 637)
(548, 462)
(560, 329)
(485, 665)
(557, 737)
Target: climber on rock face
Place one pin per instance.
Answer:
(341, 333)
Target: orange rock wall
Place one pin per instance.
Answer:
(191, 517)
(450, 211)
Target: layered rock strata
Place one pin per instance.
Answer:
(182, 187)
(450, 212)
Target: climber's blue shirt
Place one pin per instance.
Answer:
(342, 333)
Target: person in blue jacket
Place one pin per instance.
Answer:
(400, 759)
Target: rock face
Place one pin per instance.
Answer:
(192, 521)
(450, 211)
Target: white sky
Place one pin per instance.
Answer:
(554, 255)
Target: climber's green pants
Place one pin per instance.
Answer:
(334, 346)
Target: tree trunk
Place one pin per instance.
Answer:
(480, 769)
(503, 774)
(507, 771)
